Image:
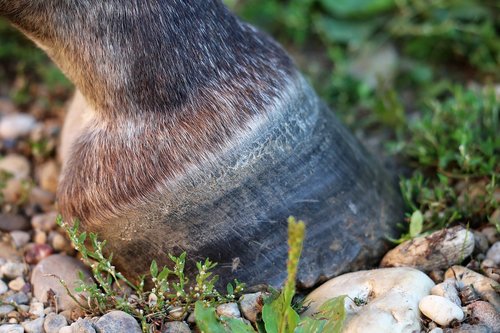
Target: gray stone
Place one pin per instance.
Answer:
(485, 314)
(480, 242)
(117, 322)
(3, 287)
(16, 165)
(47, 273)
(11, 328)
(494, 253)
(466, 328)
(65, 329)
(251, 305)
(14, 126)
(228, 310)
(11, 222)
(33, 326)
(84, 326)
(18, 298)
(5, 309)
(37, 309)
(448, 290)
(12, 270)
(20, 238)
(176, 327)
(54, 322)
(491, 232)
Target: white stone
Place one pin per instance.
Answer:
(20, 238)
(17, 284)
(11, 328)
(34, 326)
(12, 270)
(15, 125)
(447, 289)
(3, 287)
(494, 253)
(436, 330)
(228, 310)
(440, 310)
(37, 309)
(391, 297)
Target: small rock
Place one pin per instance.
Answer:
(17, 284)
(251, 305)
(390, 295)
(14, 126)
(228, 310)
(12, 270)
(435, 251)
(18, 298)
(16, 165)
(11, 328)
(60, 243)
(44, 222)
(177, 314)
(40, 237)
(480, 242)
(65, 268)
(5, 309)
(54, 322)
(117, 322)
(37, 252)
(491, 233)
(37, 309)
(65, 329)
(494, 253)
(48, 176)
(448, 290)
(3, 287)
(485, 314)
(484, 286)
(42, 198)
(20, 238)
(176, 327)
(436, 330)
(83, 326)
(11, 222)
(440, 310)
(8, 253)
(13, 191)
(33, 326)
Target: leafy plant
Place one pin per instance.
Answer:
(171, 292)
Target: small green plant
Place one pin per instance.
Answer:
(171, 292)
(278, 313)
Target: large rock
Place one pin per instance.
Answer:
(391, 297)
(46, 276)
(436, 251)
(117, 322)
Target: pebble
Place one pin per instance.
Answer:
(440, 310)
(44, 222)
(42, 198)
(37, 252)
(177, 314)
(466, 328)
(3, 287)
(60, 243)
(12, 270)
(17, 284)
(14, 126)
(117, 322)
(491, 233)
(65, 268)
(11, 328)
(484, 286)
(20, 238)
(481, 244)
(66, 329)
(494, 253)
(11, 222)
(33, 326)
(84, 326)
(485, 314)
(16, 165)
(5, 309)
(390, 295)
(436, 330)
(40, 237)
(228, 310)
(8, 253)
(18, 298)
(251, 305)
(436, 251)
(176, 327)
(448, 290)
(54, 322)
(48, 176)
(37, 309)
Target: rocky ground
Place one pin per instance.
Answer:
(436, 295)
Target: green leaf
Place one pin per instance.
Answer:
(334, 311)
(238, 326)
(345, 31)
(357, 8)
(154, 269)
(163, 274)
(230, 289)
(310, 325)
(416, 223)
(206, 319)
